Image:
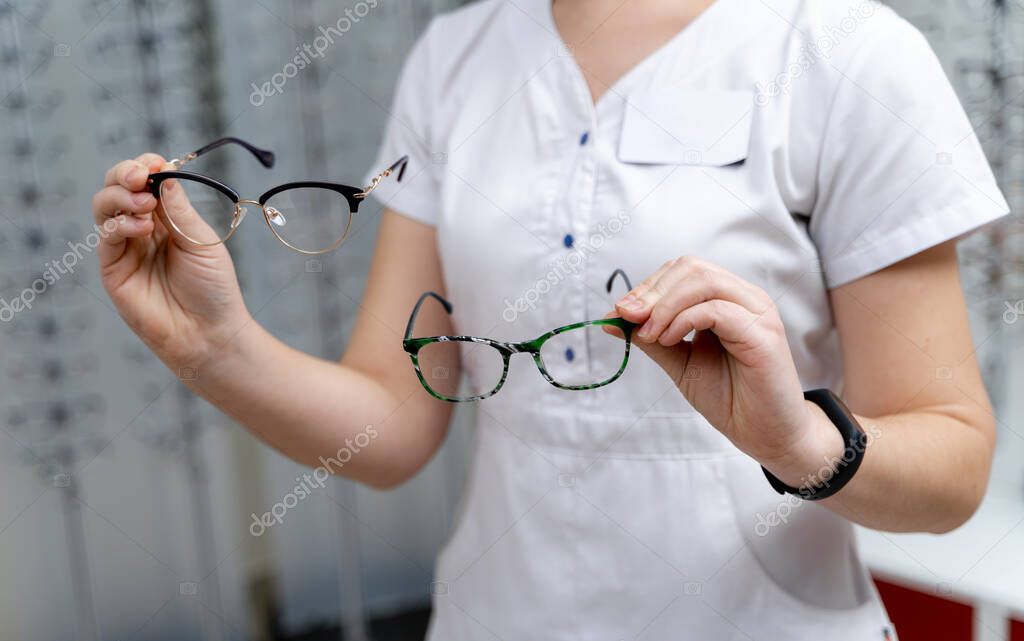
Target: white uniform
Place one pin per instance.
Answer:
(799, 144)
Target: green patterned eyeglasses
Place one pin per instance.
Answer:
(580, 356)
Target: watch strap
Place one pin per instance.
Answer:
(855, 440)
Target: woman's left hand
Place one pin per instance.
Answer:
(738, 370)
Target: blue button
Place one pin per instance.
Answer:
(584, 138)
(569, 354)
(568, 241)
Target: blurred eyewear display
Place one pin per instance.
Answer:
(555, 353)
(308, 217)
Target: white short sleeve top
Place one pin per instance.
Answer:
(801, 144)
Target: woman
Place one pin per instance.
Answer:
(789, 176)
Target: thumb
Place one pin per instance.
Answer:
(673, 359)
(186, 206)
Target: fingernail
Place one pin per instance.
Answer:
(630, 302)
(645, 329)
(141, 198)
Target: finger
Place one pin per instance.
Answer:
(734, 326)
(130, 174)
(154, 162)
(114, 232)
(612, 329)
(695, 287)
(739, 330)
(110, 201)
(150, 161)
(631, 305)
(677, 330)
(637, 305)
(178, 210)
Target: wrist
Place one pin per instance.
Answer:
(815, 455)
(226, 357)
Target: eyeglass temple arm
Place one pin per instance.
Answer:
(399, 165)
(416, 310)
(611, 280)
(265, 157)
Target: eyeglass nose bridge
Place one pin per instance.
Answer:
(240, 211)
(521, 348)
(239, 215)
(272, 214)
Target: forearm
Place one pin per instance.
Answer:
(319, 412)
(923, 470)
(908, 361)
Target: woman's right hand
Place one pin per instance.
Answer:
(183, 300)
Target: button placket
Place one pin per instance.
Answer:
(579, 358)
(578, 201)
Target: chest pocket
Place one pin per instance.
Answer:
(703, 127)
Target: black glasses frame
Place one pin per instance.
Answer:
(354, 195)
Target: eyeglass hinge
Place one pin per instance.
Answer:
(178, 162)
(373, 184)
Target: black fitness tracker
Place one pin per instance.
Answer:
(856, 443)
